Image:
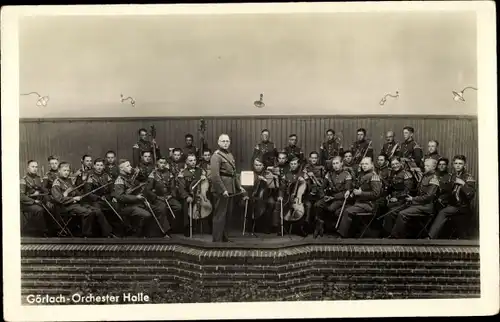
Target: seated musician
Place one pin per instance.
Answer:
(349, 165)
(33, 194)
(110, 165)
(82, 174)
(422, 204)
(176, 164)
(161, 193)
(445, 184)
(145, 167)
(460, 199)
(51, 175)
(291, 193)
(400, 184)
(127, 192)
(292, 150)
(314, 174)
(69, 200)
(101, 199)
(367, 192)
(337, 182)
(282, 166)
(382, 168)
(187, 178)
(266, 211)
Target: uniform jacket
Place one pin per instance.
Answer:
(161, 184)
(29, 185)
(336, 183)
(122, 184)
(81, 175)
(48, 179)
(411, 150)
(223, 172)
(59, 186)
(187, 178)
(463, 197)
(140, 147)
(370, 185)
(187, 150)
(358, 149)
(400, 184)
(391, 149)
(294, 151)
(330, 149)
(287, 185)
(267, 152)
(144, 171)
(112, 170)
(434, 156)
(384, 172)
(96, 180)
(428, 189)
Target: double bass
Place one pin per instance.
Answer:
(295, 210)
(201, 207)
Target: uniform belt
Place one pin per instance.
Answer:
(223, 174)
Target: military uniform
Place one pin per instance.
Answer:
(412, 151)
(130, 206)
(390, 149)
(294, 152)
(82, 175)
(49, 178)
(383, 172)
(187, 150)
(266, 152)
(143, 146)
(145, 170)
(176, 167)
(187, 178)
(335, 185)
(87, 213)
(445, 188)
(433, 155)
(30, 204)
(94, 181)
(283, 169)
(313, 192)
(423, 204)
(287, 188)
(459, 202)
(358, 150)
(400, 185)
(352, 169)
(266, 209)
(328, 150)
(112, 170)
(371, 188)
(223, 174)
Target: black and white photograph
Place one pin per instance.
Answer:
(293, 159)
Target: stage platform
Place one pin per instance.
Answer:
(262, 268)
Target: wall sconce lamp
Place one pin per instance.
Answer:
(384, 99)
(460, 95)
(260, 102)
(41, 101)
(132, 101)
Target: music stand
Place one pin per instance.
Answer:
(247, 180)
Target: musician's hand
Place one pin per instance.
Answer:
(114, 200)
(140, 197)
(346, 194)
(393, 199)
(37, 202)
(356, 192)
(103, 198)
(280, 199)
(49, 204)
(409, 198)
(36, 193)
(225, 194)
(203, 177)
(310, 174)
(245, 198)
(262, 178)
(77, 198)
(459, 181)
(189, 199)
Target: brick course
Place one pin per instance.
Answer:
(178, 271)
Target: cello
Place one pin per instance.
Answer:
(295, 209)
(201, 207)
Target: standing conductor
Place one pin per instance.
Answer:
(226, 184)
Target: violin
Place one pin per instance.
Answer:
(202, 207)
(70, 190)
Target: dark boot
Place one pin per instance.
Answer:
(320, 228)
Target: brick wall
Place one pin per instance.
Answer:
(190, 271)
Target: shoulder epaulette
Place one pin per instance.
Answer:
(56, 182)
(375, 177)
(434, 180)
(407, 175)
(152, 175)
(348, 175)
(23, 180)
(470, 178)
(119, 180)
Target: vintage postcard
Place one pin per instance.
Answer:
(248, 161)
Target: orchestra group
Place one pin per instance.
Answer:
(400, 192)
